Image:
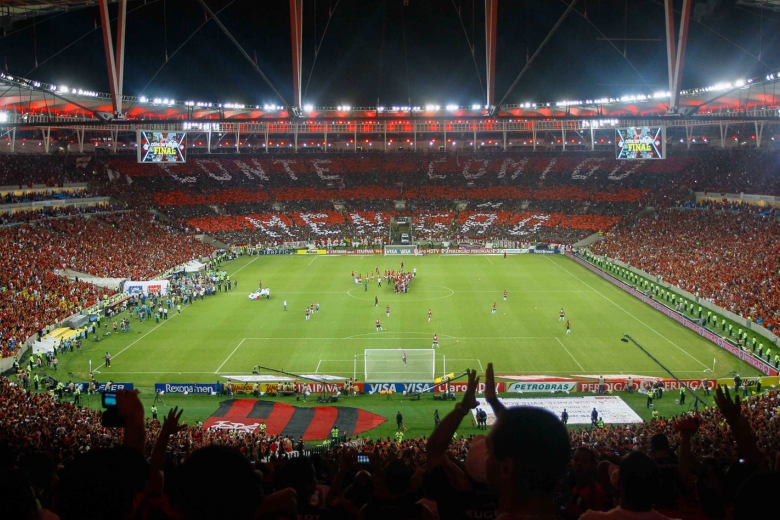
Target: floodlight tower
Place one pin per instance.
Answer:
(115, 62)
(676, 60)
(491, 27)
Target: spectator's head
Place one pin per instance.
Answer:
(753, 499)
(528, 450)
(583, 463)
(218, 483)
(102, 484)
(298, 473)
(640, 480)
(660, 444)
(397, 477)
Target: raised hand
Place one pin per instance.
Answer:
(490, 392)
(469, 401)
(171, 424)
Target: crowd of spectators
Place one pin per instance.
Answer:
(719, 464)
(26, 170)
(731, 259)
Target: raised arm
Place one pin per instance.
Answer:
(439, 440)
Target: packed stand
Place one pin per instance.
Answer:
(732, 260)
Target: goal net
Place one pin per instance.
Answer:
(410, 250)
(388, 366)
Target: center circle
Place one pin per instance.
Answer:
(394, 297)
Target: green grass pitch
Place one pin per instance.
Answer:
(228, 334)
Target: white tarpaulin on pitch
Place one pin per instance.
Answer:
(193, 266)
(260, 293)
(610, 408)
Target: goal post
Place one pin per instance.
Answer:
(410, 250)
(388, 366)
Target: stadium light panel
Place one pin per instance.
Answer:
(475, 107)
(3, 117)
(308, 108)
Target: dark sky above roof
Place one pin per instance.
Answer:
(363, 60)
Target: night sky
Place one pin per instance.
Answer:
(348, 69)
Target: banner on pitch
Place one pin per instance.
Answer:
(159, 287)
(612, 409)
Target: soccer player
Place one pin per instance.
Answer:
(568, 327)
(260, 284)
(561, 315)
(353, 276)
(285, 305)
(311, 307)
(429, 315)
(387, 311)
(404, 358)
(379, 281)
(307, 314)
(494, 308)
(378, 325)
(317, 307)
(505, 294)
(435, 341)
(376, 301)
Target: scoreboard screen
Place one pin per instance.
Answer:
(160, 146)
(642, 142)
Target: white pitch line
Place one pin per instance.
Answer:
(312, 261)
(489, 260)
(247, 264)
(480, 366)
(231, 354)
(572, 356)
(139, 339)
(624, 310)
(318, 366)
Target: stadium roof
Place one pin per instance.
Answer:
(578, 74)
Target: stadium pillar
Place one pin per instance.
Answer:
(296, 29)
(504, 126)
(267, 146)
(491, 25)
(13, 141)
(326, 138)
(676, 60)
(355, 147)
(475, 139)
(414, 135)
(46, 135)
(533, 133)
(563, 135)
(80, 136)
(592, 139)
(238, 136)
(759, 132)
(114, 138)
(688, 132)
(445, 137)
(208, 142)
(114, 63)
(295, 137)
(724, 130)
(385, 127)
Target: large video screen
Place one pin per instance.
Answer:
(643, 142)
(156, 146)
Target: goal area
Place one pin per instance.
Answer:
(410, 250)
(388, 366)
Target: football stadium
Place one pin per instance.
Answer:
(529, 272)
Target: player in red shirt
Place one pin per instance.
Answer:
(435, 341)
(568, 327)
(429, 315)
(307, 314)
(561, 315)
(261, 284)
(387, 311)
(494, 308)
(378, 326)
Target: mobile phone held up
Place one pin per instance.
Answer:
(362, 459)
(110, 417)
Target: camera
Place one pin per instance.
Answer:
(110, 417)
(362, 459)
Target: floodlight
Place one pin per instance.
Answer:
(3, 117)
(308, 108)
(475, 107)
